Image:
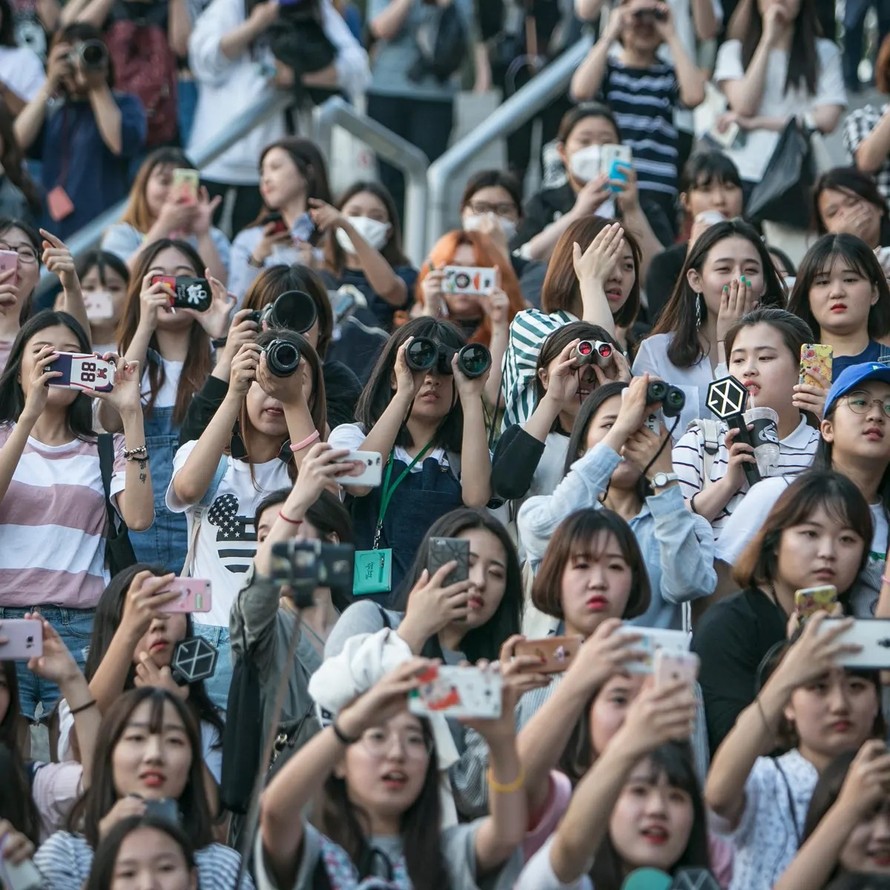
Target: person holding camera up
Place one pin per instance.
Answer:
(276, 397)
(84, 133)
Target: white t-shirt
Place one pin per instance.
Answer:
(22, 71)
(166, 397)
(754, 156)
(227, 538)
(538, 874)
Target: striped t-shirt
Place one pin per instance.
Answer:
(795, 455)
(52, 524)
(643, 102)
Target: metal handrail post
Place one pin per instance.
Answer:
(336, 112)
(523, 105)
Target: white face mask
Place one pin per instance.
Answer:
(585, 163)
(376, 233)
(473, 223)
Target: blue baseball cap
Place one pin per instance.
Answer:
(855, 376)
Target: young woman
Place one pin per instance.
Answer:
(279, 418)
(132, 645)
(292, 170)
(842, 293)
(375, 772)
(104, 280)
(609, 452)
(149, 750)
(780, 69)
(710, 188)
(642, 787)
(173, 348)
(847, 829)
(825, 710)
(817, 533)
(582, 132)
(364, 248)
(484, 318)
(492, 205)
(727, 273)
(594, 276)
(763, 354)
(19, 198)
(144, 851)
(847, 201)
(51, 486)
(430, 429)
(156, 210)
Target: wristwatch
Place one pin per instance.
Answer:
(659, 480)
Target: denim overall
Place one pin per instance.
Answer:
(166, 542)
(419, 500)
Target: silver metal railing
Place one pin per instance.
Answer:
(387, 145)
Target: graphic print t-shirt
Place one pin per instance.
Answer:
(227, 537)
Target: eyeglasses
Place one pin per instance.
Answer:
(378, 743)
(26, 253)
(480, 208)
(859, 402)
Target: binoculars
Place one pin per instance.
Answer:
(424, 354)
(671, 399)
(588, 352)
(282, 357)
(293, 310)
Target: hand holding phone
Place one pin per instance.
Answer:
(372, 464)
(444, 550)
(554, 653)
(816, 358)
(672, 666)
(185, 185)
(194, 596)
(810, 600)
(457, 692)
(83, 371)
(21, 639)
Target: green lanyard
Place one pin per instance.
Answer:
(389, 490)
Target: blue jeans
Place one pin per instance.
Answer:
(218, 685)
(75, 627)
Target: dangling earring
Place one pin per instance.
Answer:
(699, 309)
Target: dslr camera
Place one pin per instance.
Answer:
(91, 55)
(424, 354)
(293, 310)
(282, 357)
(305, 565)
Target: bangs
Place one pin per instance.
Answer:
(848, 259)
(674, 761)
(595, 544)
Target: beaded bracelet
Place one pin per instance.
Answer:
(138, 453)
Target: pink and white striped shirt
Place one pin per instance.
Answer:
(52, 524)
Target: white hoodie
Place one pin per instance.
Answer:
(228, 87)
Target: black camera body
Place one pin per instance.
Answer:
(598, 352)
(282, 357)
(424, 354)
(293, 310)
(91, 55)
(671, 398)
(305, 565)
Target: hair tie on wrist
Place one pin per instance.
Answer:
(313, 437)
(84, 707)
(341, 736)
(288, 519)
(510, 787)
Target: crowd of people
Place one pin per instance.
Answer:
(559, 555)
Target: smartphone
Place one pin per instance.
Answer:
(671, 666)
(810, 600)
(192, 293)
(82, 371)
(373, 469)
(185, 184)
(194, 596)
(166, 808)
(554, 653)
(9, 260)
(22, 876)
(477, 280)
(24, 639)
(726, 138)
(280, 225)
(613, 158)
(454, 691)
(99, 305)
(815, 358)
(653, 640)
(442, 550)
(872, 634)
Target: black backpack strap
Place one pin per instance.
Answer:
(106, 467)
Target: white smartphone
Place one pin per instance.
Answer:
(725, 138)
(455, 691)
(478, 280)
(23, 876)
(654, 640)
(370, 475)
(671, 666)
(872, 634)
(23, 639)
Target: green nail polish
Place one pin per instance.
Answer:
(726, 288)
(744, 280)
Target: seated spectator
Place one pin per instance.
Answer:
(104, 279)
(21, 68)
(582, 133)
(86, 140)
(484, 318)
(157, 209)
(363, 247)
(643, 92)
(867, 129)
(818, 532)
(293, 171)
(841, 292)
(231, 58)
(847, 201)
(710, 189)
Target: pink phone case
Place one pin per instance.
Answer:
(24, 639)
(9, 260)
(194, 596)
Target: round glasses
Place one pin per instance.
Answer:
(378, 742)
(26, 253)
(480, 208)
(859, 402)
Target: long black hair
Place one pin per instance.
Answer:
(12, 396)
(485, 641)
(16, 803)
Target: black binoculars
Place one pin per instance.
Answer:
(588, 352)
(293, 310)
(282, 357)
(671, 399)
(424, 354)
